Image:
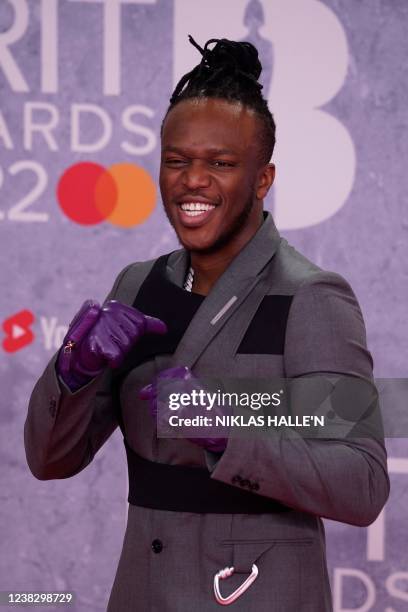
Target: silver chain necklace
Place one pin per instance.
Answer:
(188, 283)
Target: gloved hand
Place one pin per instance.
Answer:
(99, 337)
(179, 380)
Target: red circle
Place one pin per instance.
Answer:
(76, 193)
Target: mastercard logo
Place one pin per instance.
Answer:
(123, 194)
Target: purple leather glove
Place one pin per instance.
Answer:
(180, 380)
(99, 337)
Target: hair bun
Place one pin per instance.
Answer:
(241, 56)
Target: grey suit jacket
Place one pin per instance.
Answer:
(344, 480)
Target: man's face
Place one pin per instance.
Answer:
(210, 175)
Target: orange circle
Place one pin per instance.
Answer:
(135, 194)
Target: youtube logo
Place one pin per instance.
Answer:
(17, 330)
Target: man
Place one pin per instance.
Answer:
(238, 301)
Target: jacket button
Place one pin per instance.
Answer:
(255, 486)
(236, 479)
(157, 546)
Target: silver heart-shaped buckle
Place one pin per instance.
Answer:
(226, 573)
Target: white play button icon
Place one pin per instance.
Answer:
(17, 331)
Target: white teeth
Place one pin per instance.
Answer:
(196, 208)
(194, 213)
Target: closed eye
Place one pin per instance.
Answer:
(217, 163)
(175, 162)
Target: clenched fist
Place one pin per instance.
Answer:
(100, 337)
(180, 380)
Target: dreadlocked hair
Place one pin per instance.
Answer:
(230, 71)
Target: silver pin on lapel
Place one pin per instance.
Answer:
(224, 310)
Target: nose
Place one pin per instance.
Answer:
(196, 175)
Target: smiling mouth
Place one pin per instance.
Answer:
(195, 214)
(195, 209)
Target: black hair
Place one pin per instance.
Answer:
(230, 71)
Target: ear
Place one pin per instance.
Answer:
(265, 180)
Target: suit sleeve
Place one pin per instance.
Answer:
(64, 430)
(342, 478)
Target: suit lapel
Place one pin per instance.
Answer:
(228, 293)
